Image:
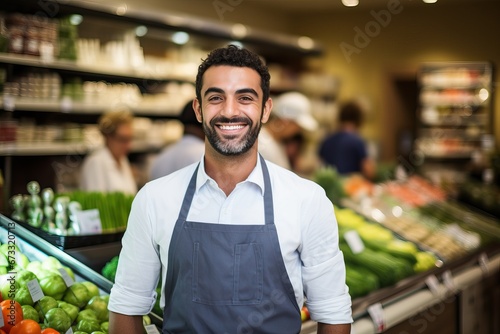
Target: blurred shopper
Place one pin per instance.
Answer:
(345, 149)
(281, 138)
(107, 168)
(189, 149)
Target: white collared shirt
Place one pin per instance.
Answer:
(304, 218)
(101, 172)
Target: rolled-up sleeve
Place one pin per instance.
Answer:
(323, 267)
(139, 264)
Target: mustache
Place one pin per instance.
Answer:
(222, 119)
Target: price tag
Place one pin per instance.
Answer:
(377, 314)
(354, 241)
(9, 103)
(69, 331)
(449, 282)
(151, 329)
(35, 290)
(484, 263)
(67, 279)
(433, 284)
(89, 221)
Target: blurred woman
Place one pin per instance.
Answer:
(107, 169)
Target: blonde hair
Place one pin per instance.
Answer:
(111, 120)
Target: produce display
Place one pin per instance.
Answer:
(415, 191)
(380, 259)
(485, 197)
(58, 213)
(43, 297)
(114, 207)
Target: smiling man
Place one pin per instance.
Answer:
(237, 242)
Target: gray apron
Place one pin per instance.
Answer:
(228, 279)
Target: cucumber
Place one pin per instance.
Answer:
(388, 268)
(360, 281)
(392, 248)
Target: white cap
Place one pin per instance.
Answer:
(296, 107)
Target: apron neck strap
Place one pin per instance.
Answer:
(268, 194)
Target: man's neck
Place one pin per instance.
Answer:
(228, 171)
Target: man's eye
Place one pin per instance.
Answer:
(246, 98)
(214, 98)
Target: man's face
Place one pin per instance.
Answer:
(231, 108)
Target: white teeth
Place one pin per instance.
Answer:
(231, 127)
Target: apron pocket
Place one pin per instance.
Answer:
(233, 277)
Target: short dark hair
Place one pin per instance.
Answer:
(232, 55)
(351, 112)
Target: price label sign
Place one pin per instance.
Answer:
(69, 331)
(35, 290)
(89, 221)
(484, 263)
(449, 282)
(354, 241)
(151, 329)
(376, 312)
(433, 284)
(67, 279)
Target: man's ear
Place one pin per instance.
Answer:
(197, 110)
(266, 112)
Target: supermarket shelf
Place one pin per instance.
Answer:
(69, 106)
(448, 155)
(67, 65)
(61, 148)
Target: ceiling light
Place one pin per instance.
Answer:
(180, 37)
(239, 31)
(350, 3)
(121, 10)
(75, 19)
(430, 1)
(141, 31)
(305, 42)
(236, 43)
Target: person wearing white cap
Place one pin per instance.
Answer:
(280, 139)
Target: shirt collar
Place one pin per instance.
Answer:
(256, 177)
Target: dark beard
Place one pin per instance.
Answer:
(228, 146)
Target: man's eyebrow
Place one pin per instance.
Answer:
(247, 91)
(239, 91)
(213, 90)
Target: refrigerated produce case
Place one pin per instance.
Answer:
(37, 249)
(402, 303)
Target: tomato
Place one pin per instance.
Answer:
(50, 331)
(27, 326)
(12, 314)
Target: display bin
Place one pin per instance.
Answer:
(403, 303)
(66, 242)
(37, 248)
(411, 306)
